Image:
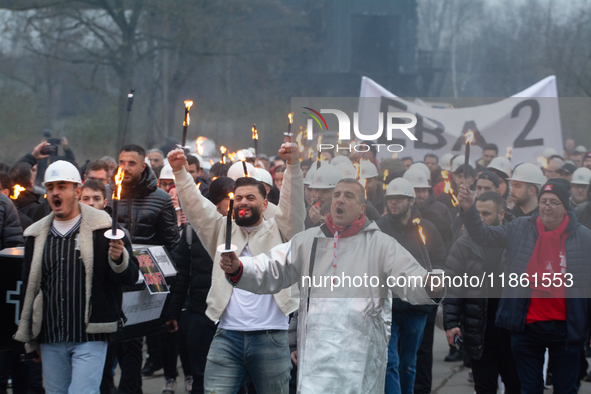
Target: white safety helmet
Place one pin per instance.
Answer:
(548, 152)
(423, 167)
(581, 149)
(198, 156)
(400, 187)
(445, 161)
(581, 176)
(62, 171)
(500, 163)
(166, 172)
(310, 174)
(458, 162)
(339, 160)
(368, 169)
(236, 171)
(265, 176)
(528, 173)
(416, 177)
(326, 177)
(347, 170)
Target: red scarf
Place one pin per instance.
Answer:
(548, 303)
(345, 231)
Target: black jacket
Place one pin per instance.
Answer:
(194, 267)
(148, 214)
(519, 238)
(27, 202)
(467, 307)
(11, 233)
(408, 237)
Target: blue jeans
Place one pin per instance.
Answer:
(529, 350)
(407, 334)
(264, 356)
(73, 367)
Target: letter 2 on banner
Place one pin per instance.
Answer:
(527, 122)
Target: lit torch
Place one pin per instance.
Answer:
(188, 104)
(114, 233)
(199, 142)
(242, 158)
(423, 245)
(509, 155)
(384, 184)
(17, 191)
(227, 246)
(318, 157)
(289, 123)
(448, 189)
(469, 138)
(543, 162)
(255, 139)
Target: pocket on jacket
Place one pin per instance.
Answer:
(37, 314)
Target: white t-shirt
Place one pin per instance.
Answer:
(247, 311)
(63, 226)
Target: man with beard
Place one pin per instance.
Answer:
(73, 277)
(525, 184)
(470, 312)
(343, 328)
(148, 214)
(409, 322)
(252, 333)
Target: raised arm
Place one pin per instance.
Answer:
(201, 213)
(291, 211)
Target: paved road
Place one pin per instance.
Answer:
(448, 378)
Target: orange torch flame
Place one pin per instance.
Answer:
(188, 104)
(299, 141)
(231, 195)
(417, 221)
(241, 156)
(509, 154)
(386, 173)
(290, 117)
(310, 153)
(211, 161)
(543, 161)
(199, 142)
(469, 137)
(255, 134)
(17, 191)
(358, 171)
(118, 181)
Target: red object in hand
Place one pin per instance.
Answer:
(317, 205)
(242, 212)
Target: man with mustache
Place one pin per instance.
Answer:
(251, 337)
(344, 328)
(74, 277)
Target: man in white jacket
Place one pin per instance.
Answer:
(252, 333)
(344, 322)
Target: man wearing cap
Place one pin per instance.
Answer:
(487, 182)
(550, 313)
(252, 332)
(587, 160)
(409, 321)
(525, 184)
(73, 277)
(567, 171)
(343, 329)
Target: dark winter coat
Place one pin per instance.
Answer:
(408, 236)
(519, 238)
(27, 202)
(11, 233)
(148, 214)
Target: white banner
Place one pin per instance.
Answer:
(527, 122)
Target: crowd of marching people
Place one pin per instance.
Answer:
(239, 317)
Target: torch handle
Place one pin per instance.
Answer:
(229, 225)
(114, 217)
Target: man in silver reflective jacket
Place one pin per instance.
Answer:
(346, 270)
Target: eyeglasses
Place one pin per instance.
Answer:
(549, 204)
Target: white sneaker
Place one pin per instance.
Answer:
(188, 384)
(169, 386)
